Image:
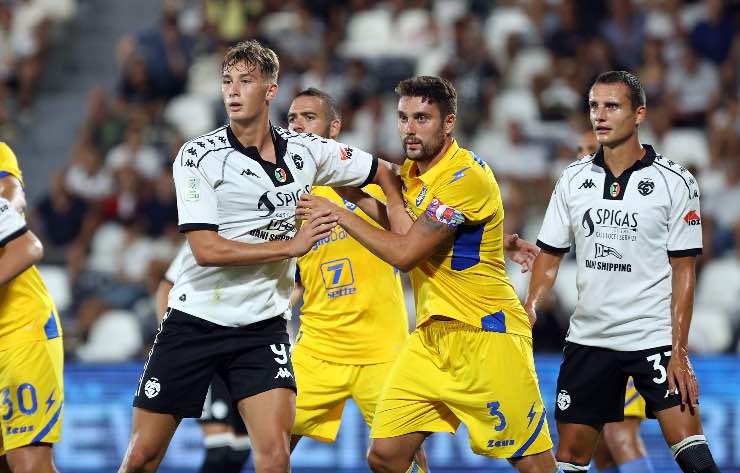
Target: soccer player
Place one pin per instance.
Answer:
(11, 179)
(237, 189)
(634, 218)
(225, 438)
(349, 336)
(31, 351)
(470, 358)
(620, 448)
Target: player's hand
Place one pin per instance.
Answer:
(352, 194)
(531, 313)
(682, 379)
(312, 206)
(314, 229)
(520, 251)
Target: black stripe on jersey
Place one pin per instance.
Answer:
(615, 187)
(189, 227)
(13, 236)
(373, 171)
(691, 194)
(680, 253)
(210, 151)
(581, 161)
(552, 249)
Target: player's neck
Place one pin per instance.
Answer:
(255, 133)
(621, 157)
(424, 166)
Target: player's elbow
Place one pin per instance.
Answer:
(35, 251)
(406, 261)
(205, 256)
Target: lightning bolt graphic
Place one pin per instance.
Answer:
(531, 415)
(50, 402)
(459, 174)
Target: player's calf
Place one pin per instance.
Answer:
(693, 456)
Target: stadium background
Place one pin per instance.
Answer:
(96, 96)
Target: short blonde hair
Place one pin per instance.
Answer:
(259, 56)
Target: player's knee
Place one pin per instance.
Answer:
(139, 459)
(274, 459)
(623, 442)
(33, 465)
(693, 456)
(379, 459)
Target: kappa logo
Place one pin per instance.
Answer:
(190, 163)
(248, 172)
(602, 251)
(646, 186)
(152, 388)
(692, 218)
(587, 184)
(283, 373)
(563, 400)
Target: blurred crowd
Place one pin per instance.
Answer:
(522, 70)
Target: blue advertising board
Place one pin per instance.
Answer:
(97, 422)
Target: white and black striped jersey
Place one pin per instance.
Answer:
(624, 229)
(223, 186)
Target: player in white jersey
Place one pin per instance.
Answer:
(237, 188)
(634, 218)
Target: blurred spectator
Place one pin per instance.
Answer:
(143, 158)
(104, 122)
(159, 208)
(625, 31)
(693, 89)
(61, 215)
(652, 72)
(712, 37)
(87, 176)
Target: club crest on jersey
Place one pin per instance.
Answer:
(297, 160)
(281, 175)
(646, 186)
(442, 213)
(615, 189)
(152, 388)
(421, 196)
(563, 400)
(692, 218)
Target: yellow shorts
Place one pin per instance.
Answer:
(323, 389)
(634, 404)
(449, 372)
(31, 394)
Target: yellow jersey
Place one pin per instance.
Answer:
(353, 308)
(466, 279)
(27, 312)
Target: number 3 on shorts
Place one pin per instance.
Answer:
(662, 375)
(495, 412)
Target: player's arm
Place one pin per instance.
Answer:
(12, 191)
(544, 273)
(161, 296)
(681, 375)
(402, 251)
(297, 293)
(211, 249)
(21, 252)
(374, 208)
(520, 251)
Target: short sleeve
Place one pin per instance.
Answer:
(174, 269)
(555, 234)
(684, 225)
(341, 165)
(197, 204)
(12, 224)
(468, 196)
(9, 163)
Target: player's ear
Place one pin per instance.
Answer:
(334, 128)
(640, 115)
(449, 124)
(271, 92)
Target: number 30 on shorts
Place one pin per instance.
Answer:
(25, 397)
(655, 360)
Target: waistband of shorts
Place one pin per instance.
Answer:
(439, 322)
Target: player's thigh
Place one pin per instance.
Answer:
(31, 393)
(576, 442)
(648, 368)
(410, 400)
(495, 392)
(591, 386)
(623, 440)
(679, 422)
(323, 388)
(367, 386)
(269, 417)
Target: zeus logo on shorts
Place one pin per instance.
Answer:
(563, 400)
(282, 353)
(152, 387)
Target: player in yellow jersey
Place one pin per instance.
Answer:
(349, 336)
(620, 449)
(11, 179)
(470, 358)
(31, 352)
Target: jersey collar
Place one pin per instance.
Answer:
(646, 160)
(411, 169)
(279, 173)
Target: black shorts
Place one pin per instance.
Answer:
(592, 383)
(219, 408)
(189, 351)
